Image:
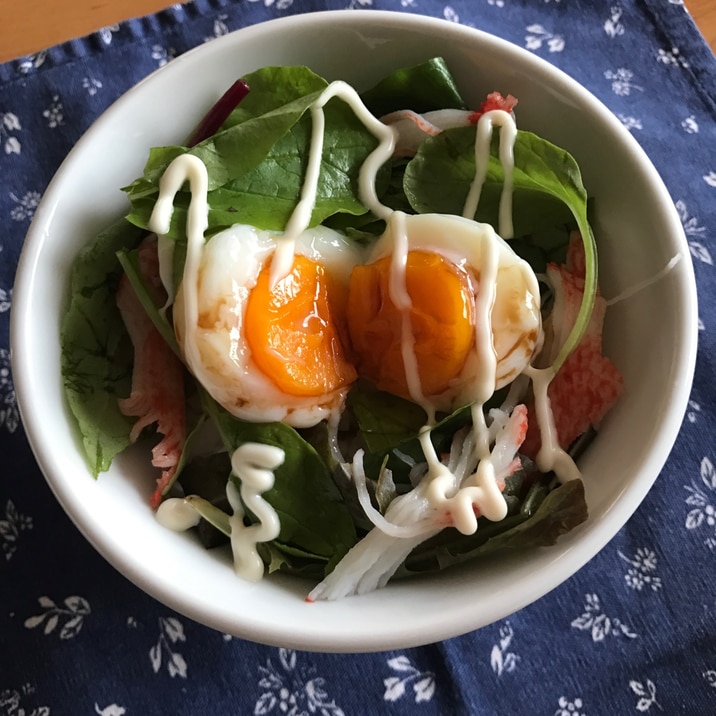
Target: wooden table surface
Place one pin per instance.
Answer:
(31, 25)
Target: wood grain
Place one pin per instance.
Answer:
(31, 25)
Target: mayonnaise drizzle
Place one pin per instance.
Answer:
(177, 514)
(481, 489)
(186, 168)
(253, 464)
(550, 456)
(508, 135)
(301, 216)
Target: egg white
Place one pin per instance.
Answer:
(515, 314)
(229, 267)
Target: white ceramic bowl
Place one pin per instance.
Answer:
(637, 230)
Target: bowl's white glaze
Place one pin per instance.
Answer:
(651, 336)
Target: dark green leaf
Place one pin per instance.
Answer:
(425, 87)
(312, 514)
(438, 180)
(548, 516)
(96, 351)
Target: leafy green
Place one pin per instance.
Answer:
(216, 517)
(548, 189)
(96, 352)
(422, 88)
(537, 521)
(257, 164)
(389, 427)
(312, 514)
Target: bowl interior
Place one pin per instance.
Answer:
(637, 231)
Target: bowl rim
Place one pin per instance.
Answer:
(356, 639)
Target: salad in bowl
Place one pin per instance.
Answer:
(362, 331)
(358, 327)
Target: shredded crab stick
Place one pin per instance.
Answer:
(157, 394)
(588, 383)
(414, 517)
(414, 128)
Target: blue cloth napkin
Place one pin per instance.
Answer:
(632, 632)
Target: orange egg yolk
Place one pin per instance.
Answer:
(441, 317)
(292, 332)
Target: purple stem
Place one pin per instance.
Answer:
(218, 114)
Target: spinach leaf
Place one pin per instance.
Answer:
(96, 351)
(438, 179)
(257, 164)
(272, 87)
(422, 88)
(312, 514)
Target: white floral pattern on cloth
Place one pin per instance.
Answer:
(690, 125)
(9, 128)
(647, 695)
(630, 122)
(10, 527)
(538, 37)
(111, 710)
(278, 4)
(693, 410)
(701, 517)
(92, 85)
(672, 57)
(220, 28)
(622, 81)
(54, 113)
(694, 230)
(9, 413)
(570, 708)
(502, 660)
(292, 689)
(162, 55)
(641, 573)
(613, 25)
(69, 616)
(421, 683)
(25, 205)
(165, 651)
(106, 33)
(598, 624)
(16, 702)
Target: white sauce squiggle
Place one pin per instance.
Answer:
(253, 464)
(482, 159)
(186, 168)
